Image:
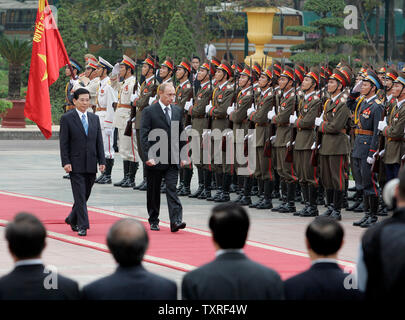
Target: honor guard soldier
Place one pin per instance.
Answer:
(106, 97)
(264, 168)
(199, 122)
(285, 109)
(126, 144)
(93, 84)
(334, 148)
(76, 67)
(184, 94)
(215, 63)
(309, 107)
(222, 98)
(147, 92)
(393, 129)
(366, 119)
(84, 77)
(238, 115)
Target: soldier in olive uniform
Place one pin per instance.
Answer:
(393, 130)
(199, 122)
(285, 107)
(238, 115)
(308, 109)
(122, 116)
(145, 97)
(264, 167)
(222, 98)
(184, 94)
(334, 148)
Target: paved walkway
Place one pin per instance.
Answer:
(33, 168)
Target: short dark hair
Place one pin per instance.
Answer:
(80, 91)
(229, 223)
(196, 57)
(325, 235)
(26, 236)
(127, 240)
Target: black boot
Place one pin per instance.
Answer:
(337, 204)
(261, 186)
(227, 178)
(247, 189)
(298, 197)
(255, 187)
(366, 201)
(109, 164)
(321, 195)
(200, 184)
(187, 175)
(329, 203)
(276, 182)
(372, 219)
(312, 210)
(268, 189)
(163, 186)
(144, 184)
(207, 185)
(126, 171)
(283, 204)
(291, 193)
(241, 181)
(133, 168)
(359, 200)
(345, 203)
(219, 179)
(102, 175)
(305, 194)
(382, 211)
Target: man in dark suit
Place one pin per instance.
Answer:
(232, 275)
(164, 121)
(128, 241)
(81, 148)
(325, 280)
(30, 279)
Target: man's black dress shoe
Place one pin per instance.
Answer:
(82, 232)
(72, 226)
(174, 227)
(154, 227)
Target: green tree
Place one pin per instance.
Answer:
(330, 15)
(177, 40)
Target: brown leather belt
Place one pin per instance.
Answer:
(198, 117)
(396, 139)
(285, 124)
(300, 129)
(260, 124)
(127, 106)
(245, 121)
(364, 132)
(101, 109)
(219, 118)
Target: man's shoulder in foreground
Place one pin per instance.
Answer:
(131, 283)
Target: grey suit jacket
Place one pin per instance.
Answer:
(232, 276)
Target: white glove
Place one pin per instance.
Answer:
(288, 144)
(116, 70)
(382, 124)
(74, 82)
(230, 109)
(271, 114)
(250, 111)
(313, 146)
(134, 96)
(381, 152)
(370, 160)
(403, 157)
(253, 106)
(108, 131)
(208, 107)
(152, 100)
(293, 117)
(188, 105)
(187, 128)
(318, 121)
(357, 86)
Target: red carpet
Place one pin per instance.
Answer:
(183, 250)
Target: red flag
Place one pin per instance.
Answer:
(48, 56)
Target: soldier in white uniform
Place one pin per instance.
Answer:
(106, 96)
(127, 145)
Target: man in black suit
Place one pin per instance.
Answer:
(81, 148)
(232, 275)
(128, 241)
(164, 122)
(30, 280)
(325, 280)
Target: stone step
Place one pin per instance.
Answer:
(30, 132)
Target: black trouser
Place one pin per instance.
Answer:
(154, 178)
(81, 187)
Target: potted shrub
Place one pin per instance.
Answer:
(16, 53)
(4, 106)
